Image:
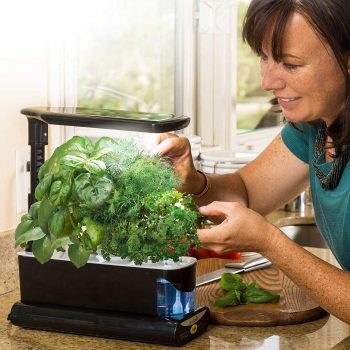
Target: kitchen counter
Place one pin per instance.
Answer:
(323, 334)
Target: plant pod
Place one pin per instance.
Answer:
(260, 295)
(231, 298)
(231, 281)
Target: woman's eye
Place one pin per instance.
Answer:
(290, 66)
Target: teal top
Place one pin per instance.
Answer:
(331, 207)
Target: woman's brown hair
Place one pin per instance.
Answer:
(331, 21)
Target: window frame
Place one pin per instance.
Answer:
(63, 76)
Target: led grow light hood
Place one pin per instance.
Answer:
(83, 314)
(107, 118)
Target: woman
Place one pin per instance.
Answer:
(304, 48)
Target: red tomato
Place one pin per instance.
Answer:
(233, 255)
(203, 253)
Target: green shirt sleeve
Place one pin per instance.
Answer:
(297, 140)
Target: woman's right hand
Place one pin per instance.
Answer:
(178, 150)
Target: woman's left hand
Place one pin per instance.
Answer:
(242, 229)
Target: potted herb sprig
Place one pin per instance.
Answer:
(108, 195)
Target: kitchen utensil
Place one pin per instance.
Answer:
(234, 267)
(294, 306)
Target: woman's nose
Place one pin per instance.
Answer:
(271, 78)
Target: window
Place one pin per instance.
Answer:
(171, 56)
(253, 103)
(126, 56)
(231, 103)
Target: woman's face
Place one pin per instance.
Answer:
(308, 82)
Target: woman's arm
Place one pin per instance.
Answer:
(265, 184)
(245, 230)
(326, 284)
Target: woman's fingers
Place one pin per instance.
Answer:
(209, 235)
(218, 209)
(164, 144)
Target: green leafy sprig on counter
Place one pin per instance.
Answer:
(238, 292)
(108, 195)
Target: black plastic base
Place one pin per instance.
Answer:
(115, 325)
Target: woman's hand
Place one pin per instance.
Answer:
(241, 229)
(178, 150)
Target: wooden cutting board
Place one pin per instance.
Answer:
(294, 306)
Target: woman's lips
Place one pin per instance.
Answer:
(287, 102)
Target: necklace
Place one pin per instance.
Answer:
(331, 180)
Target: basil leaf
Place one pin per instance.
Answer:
(42, 249)
(78, 255)
(229, 299)
(74, 161)
(60, 192)
(260, 295)
(231, 281)
(92, 191)
(68, 224)
(87, 242)
(45, 211)
(32, 234)
(76, 145)
(56, 223)
(95, 167)
(43, 187)
(95, 231)
(61, 242)
(23, 227)
(26, 217)
(103, 146)
(34, 210)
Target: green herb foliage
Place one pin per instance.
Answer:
(238, 292)
(108, 195)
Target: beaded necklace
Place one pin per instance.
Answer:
(331, 180)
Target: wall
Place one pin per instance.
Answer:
(23, 83)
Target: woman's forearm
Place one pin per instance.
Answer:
(324, 283)
(225, 188)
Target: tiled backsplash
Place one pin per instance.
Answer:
(8, 262)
